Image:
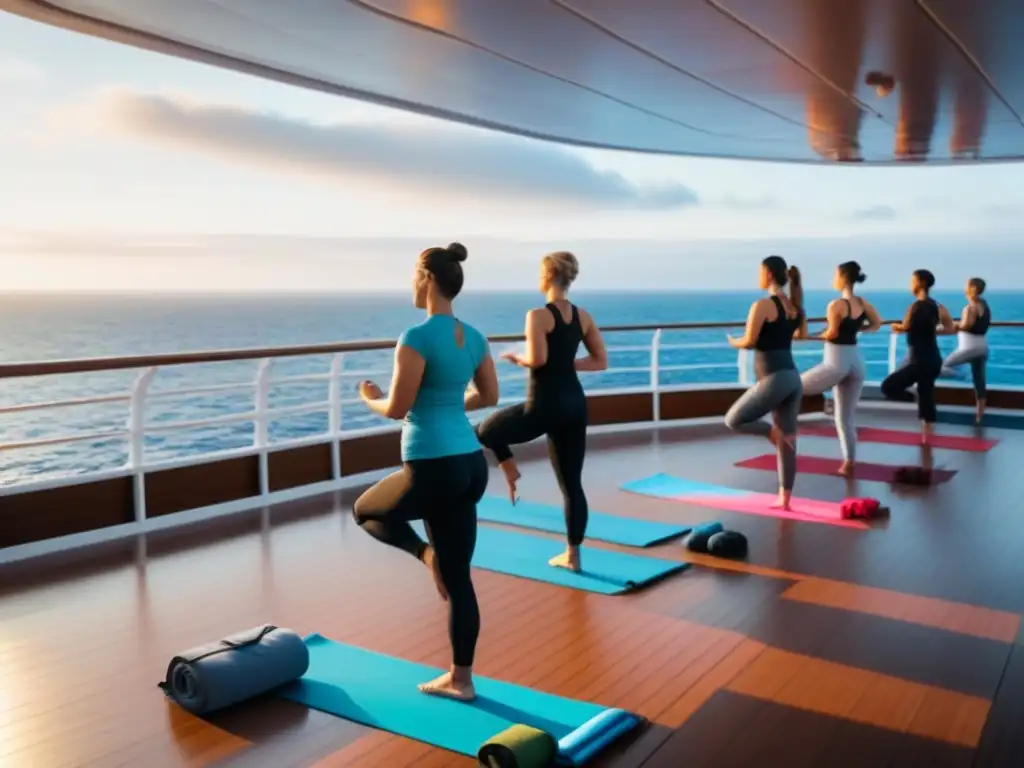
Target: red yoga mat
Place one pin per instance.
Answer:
(898, 437)
(816, 465)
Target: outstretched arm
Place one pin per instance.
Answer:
(755, 319)
(405, 384)
(536, 354)
(597, 355)
(485, 392)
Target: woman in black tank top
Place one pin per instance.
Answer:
(924, 363)
(771, 325)
(555, 405)
(842, 368)
(972, 346)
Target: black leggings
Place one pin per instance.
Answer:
(443, 493)
(921, 372)
(567, 447)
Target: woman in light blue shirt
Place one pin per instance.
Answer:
(444, 473)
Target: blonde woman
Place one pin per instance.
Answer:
(555, 403)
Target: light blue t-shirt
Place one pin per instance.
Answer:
(437, 424)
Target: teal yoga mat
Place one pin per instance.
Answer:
(600, 527)
(607, 573)
(380, 691)
(995, 420)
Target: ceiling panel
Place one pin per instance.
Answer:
(700, 39)
(938, 93)
(558, 42)
(764, 79)
(358, 48)
(991, 30)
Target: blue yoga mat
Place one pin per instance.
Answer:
(380, 691)
(995, 420)
(544, 517)
(607, 573)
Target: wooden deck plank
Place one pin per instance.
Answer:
(822, 640)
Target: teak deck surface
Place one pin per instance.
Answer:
(830, 647)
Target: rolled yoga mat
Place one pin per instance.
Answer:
(380, 691)
(519, 747)
(240, 667)
(544, 517)
(816, 465)
(604, 572)
(902, 437)
(719, 497)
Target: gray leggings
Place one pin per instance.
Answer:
(841, 370)
(977, 358)
(779, 394)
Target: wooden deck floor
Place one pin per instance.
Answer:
(830, 647)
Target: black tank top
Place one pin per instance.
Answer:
(774, 346)
(981, 321)
(849, 326)
(921, 332)
(556, 383)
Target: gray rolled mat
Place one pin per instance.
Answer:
(239, 667)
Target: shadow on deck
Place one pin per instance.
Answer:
(828, 647)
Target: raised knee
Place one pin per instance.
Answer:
(732, 420)
(358, 508)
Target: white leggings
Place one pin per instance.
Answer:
(972, 350)
(842, 369)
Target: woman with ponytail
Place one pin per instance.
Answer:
(772, 324)
(842, 369)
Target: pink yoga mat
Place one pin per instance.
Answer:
(815, 465)
(898, 437)
(804, 510)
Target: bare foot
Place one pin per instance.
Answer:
(512, 476)
(430, 560)
(783, 501)
(846, 469)
(570, 560)
(448, 687)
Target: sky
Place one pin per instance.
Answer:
(128, 170)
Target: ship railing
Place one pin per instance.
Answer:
(644, 359)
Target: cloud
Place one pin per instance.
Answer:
(875, 213)
(445, 160)
(19, 71)
(762, 203)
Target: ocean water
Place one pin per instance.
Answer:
(61, 327)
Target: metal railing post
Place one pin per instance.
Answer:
(261, 433)
(656, 375)
(894, 340)
(334, 415)
(137, 439)
(743, 367)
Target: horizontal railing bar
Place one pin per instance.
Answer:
(65, 403)
(228, 418)
(61, 439)
(170, 392)
(86, 365)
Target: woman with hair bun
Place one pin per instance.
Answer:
(972, 347)
(444, 472)
(923, 319)
(842, 368)
(772, 324)
(555, 403)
